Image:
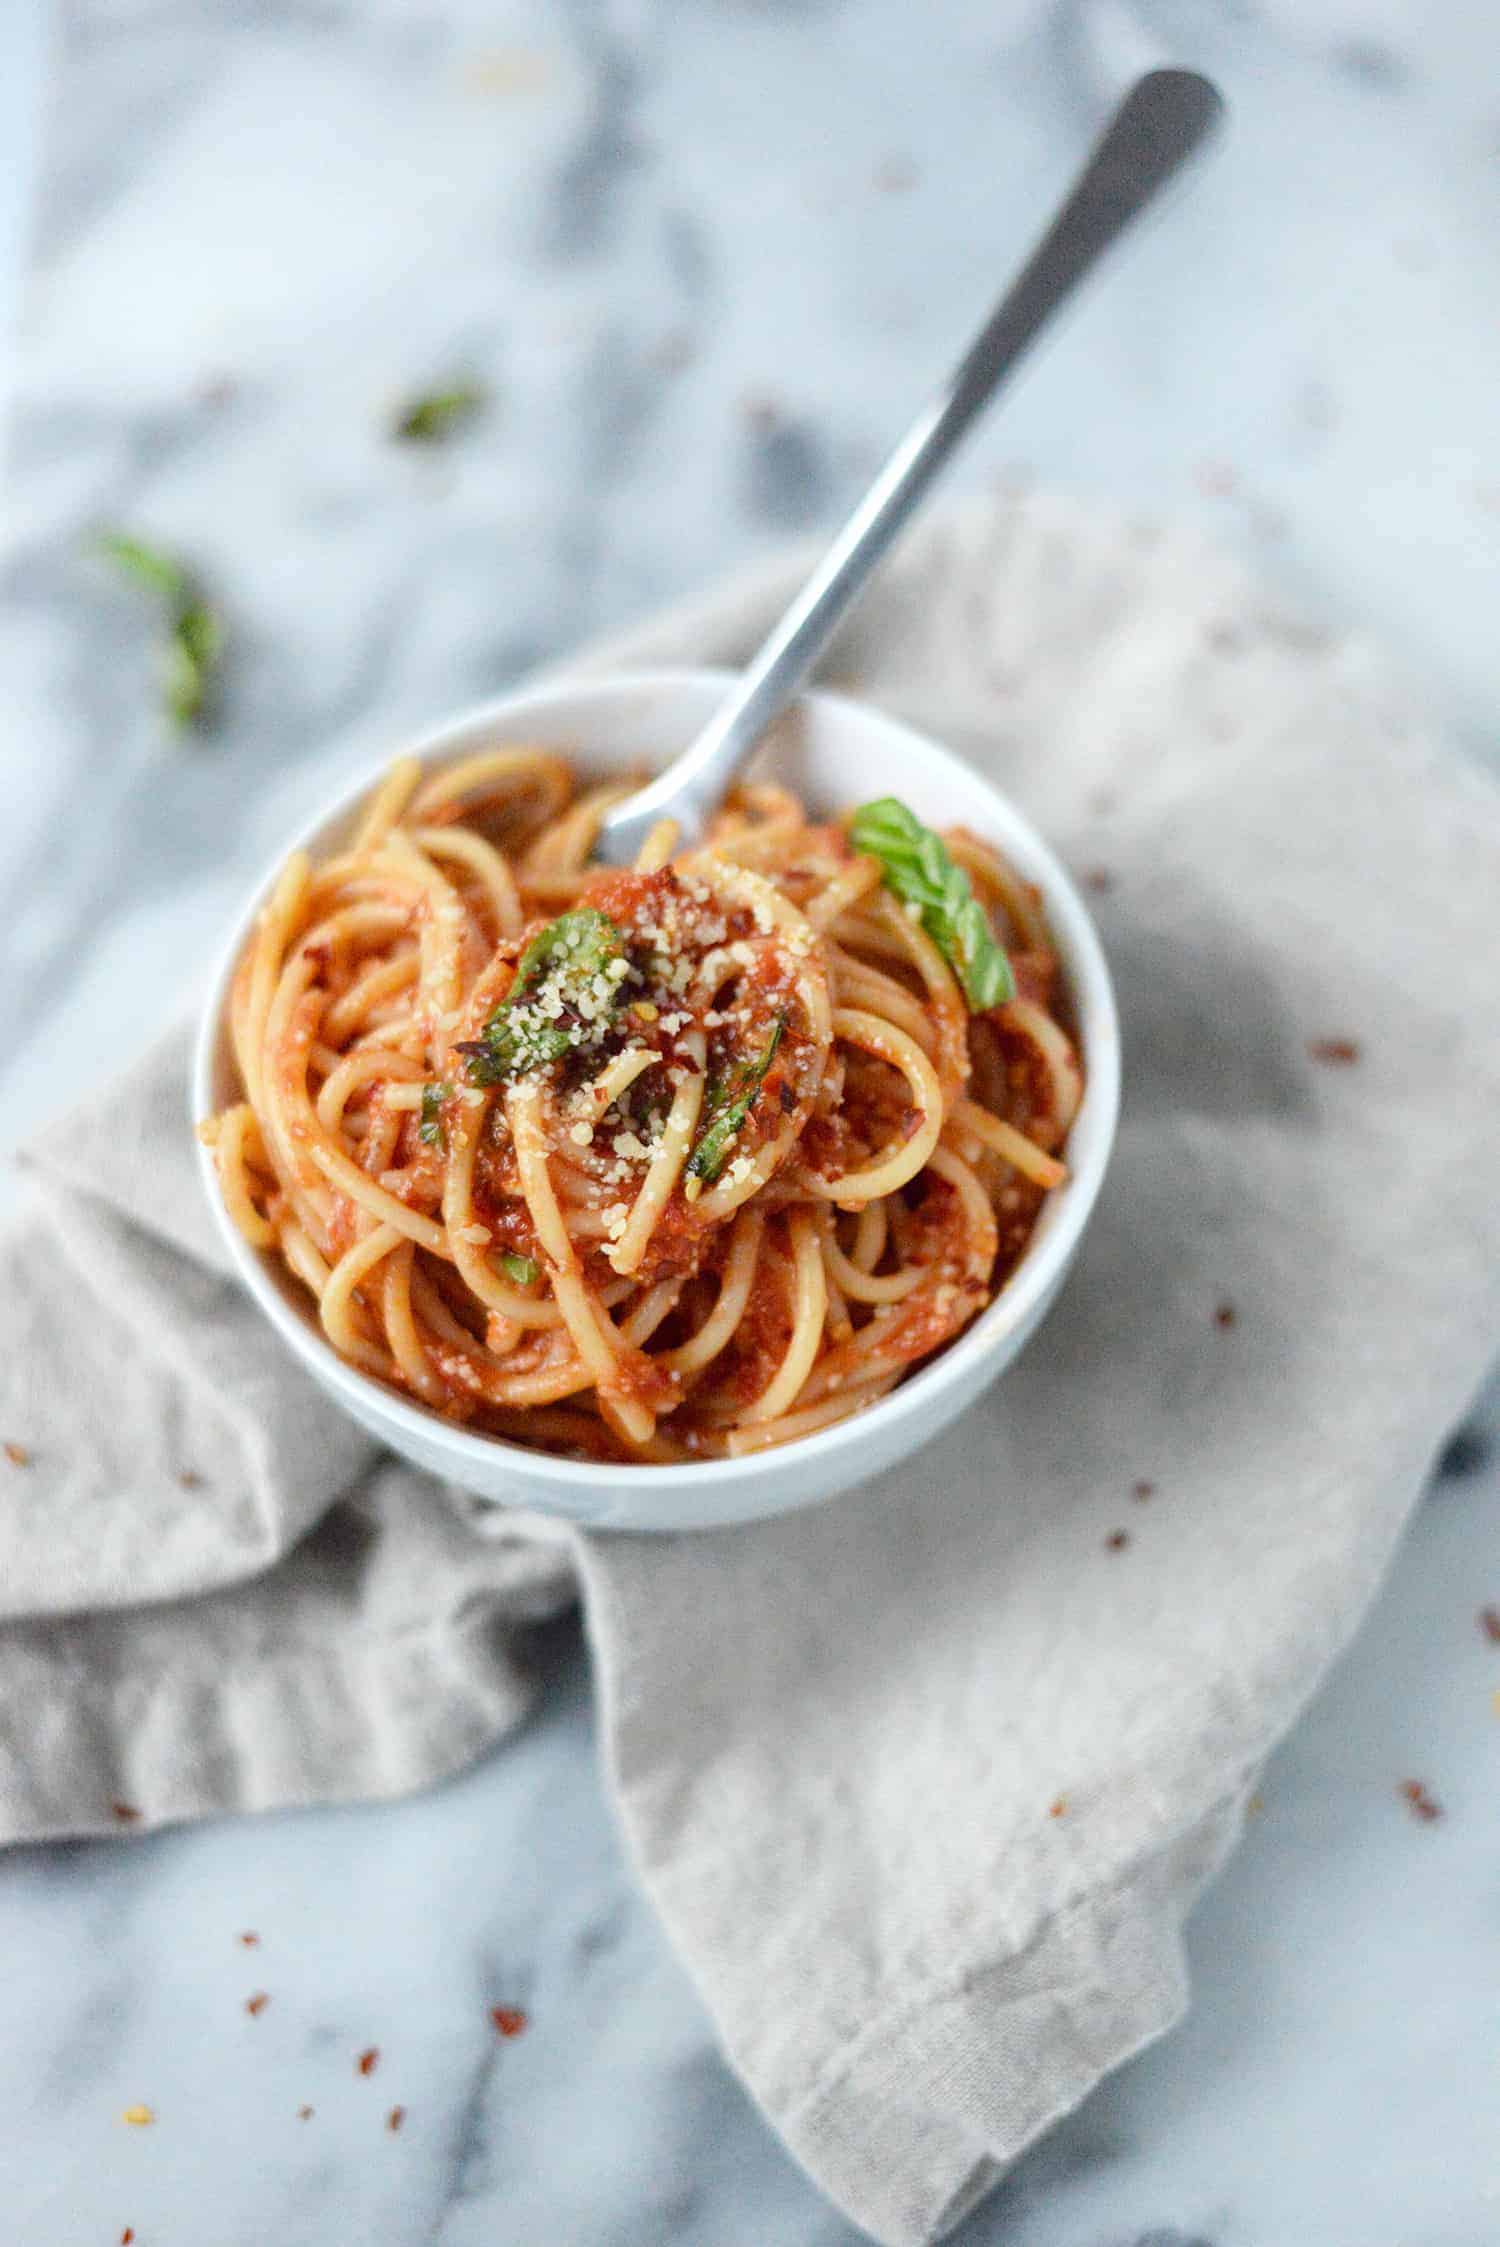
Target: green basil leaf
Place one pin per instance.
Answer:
(733, 1102)
(919, 869)
(430, 1130)
(567, 957)
(193, 650)
(150, 567)
(438, 414)
(524, 1270)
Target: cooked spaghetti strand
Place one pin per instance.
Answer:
(679, 1162)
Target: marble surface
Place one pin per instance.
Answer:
(707, 257)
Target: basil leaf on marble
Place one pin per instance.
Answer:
(192, 652)
(437, 415)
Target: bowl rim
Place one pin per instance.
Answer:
(1017, 1305)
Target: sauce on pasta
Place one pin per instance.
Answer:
(646, 1166)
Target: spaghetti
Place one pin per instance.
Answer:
(667, 1164)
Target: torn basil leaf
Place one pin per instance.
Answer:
(430, 1130)
(193, 651)
(919, 870)
(437, 415)
(566, 990)
(731, 1103)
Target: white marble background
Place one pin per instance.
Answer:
(708, 255)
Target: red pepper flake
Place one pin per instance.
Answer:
(190, 1479)
(1141, 1491)
(395, 2118)
(1489, 1623)
(256, 2005)
(304, 2114)
(18, 1455)
(250, 1939)
(368, 2061)
(1099, 879)
(508, 2019)
(126, 1813)
(759, 411)
(127, 2236)
(1334, 1053)
(1224, 1317)
(1117, 1540)
(673, 352)
(1422, 1804)
(895, 175)
(1058, 1808)
(1216, 479)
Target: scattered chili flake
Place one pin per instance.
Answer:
(190, 1479)
(1489, 1623)
(1058, 1808)
(395, 2118)
(895, 175)
(1099, 879)
(508, 2019)
(138, 2117)
(304, 2114)
(368, 2061)
(1141, 1491)
(760, 411)
(257, 2004)
(250, 1939)
(1224, 1316)
(18, 1455)
(1117, 1540)
(127, 2236)
(673, 352)
(1422, 1804)
(1216, 479)
(126, 1813)
(1336, 1053)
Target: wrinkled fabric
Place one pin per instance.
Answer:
(924, 1782)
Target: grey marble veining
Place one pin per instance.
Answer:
(706, 256)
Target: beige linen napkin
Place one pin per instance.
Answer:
(923, 1782)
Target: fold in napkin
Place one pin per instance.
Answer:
(922, 1782)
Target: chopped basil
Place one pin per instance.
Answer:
(566, 988)
(430, 1130)
(438, 414)
(731, 1102)
(524, 1270)
(154, 571)
(919, 870)
(194, 647)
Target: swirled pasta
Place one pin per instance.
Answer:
(664, 1164)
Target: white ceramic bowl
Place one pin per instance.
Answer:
(834, 753)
